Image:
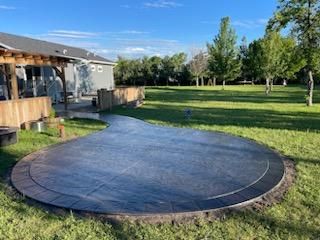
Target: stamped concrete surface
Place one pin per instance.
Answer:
(135, 168)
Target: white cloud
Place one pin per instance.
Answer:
(127, 43)
(5, 7)
(133, 32)
(250, 24)
(125, 6)
(72, 34)
(135, 50)
(162, 4)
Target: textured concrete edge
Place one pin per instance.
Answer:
(186, 214)
(274, 196)
(258, 204)
(23, 182)
(270, 198)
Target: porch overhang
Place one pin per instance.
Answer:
(12, 56)
(9, 58)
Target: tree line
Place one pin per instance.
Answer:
(271, 58)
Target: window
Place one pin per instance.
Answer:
(93, 68)
(100, 69)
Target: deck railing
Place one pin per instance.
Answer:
(13, 113)
(119, 96)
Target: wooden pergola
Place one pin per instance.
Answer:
(10, 58)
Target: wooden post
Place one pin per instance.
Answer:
(61, 74)
(65, 96)
(4, 69)
(13, 82)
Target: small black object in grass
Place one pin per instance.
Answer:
(8, 136)
(187, 113)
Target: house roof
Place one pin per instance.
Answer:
(30, 45)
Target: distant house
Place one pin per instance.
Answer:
(85, 72)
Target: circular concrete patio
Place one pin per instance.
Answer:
(135, 168)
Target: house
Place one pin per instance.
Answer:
(84, 71)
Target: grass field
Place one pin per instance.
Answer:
(280, 121)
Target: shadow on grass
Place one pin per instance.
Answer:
(241, 117)
(255, 95)
(275, 226)
(7, 160)
(280, 225)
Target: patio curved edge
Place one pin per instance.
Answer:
(25, 184)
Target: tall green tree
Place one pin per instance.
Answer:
(178, 62)
(146, 70)
(303, 16)
(271, 58)
(167, 70)
(198, 65)
(244, 58)
(254, 60)
(224, 54)
(156, 68)
(291, 60)
(122, 71)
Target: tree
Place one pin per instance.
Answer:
(167, 70)
(122, 71)
(291, 60)
(244, 58)
(223, 54)
(177, 61)
(136, 71)
(156, 68)
(198, 65)
(146, 70)
(304, 18)
(172, 67)
(271, 58)
(254, 60)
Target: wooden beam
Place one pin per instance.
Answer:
(61, 74)
(28, 56)
(7, 54)
(18, 55)
(38, 62)
(37, 57)
(13, 82)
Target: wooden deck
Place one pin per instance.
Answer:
(119, 96)
(13, 113)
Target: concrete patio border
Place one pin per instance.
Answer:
(24, 182)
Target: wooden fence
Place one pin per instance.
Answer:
(120, 96)
(13, 113)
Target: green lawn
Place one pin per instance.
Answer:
(281, 121)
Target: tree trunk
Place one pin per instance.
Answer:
(214, 81)
(310, 89)
(271, 85)
(223, 84)
(197, 81)
(202, 81)
(267, 86)
(285, 82)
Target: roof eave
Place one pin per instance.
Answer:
(102, 62)
(7, 47)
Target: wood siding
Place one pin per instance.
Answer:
(16, 112)
(120, 96)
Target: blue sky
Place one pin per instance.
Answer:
(133, 28)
